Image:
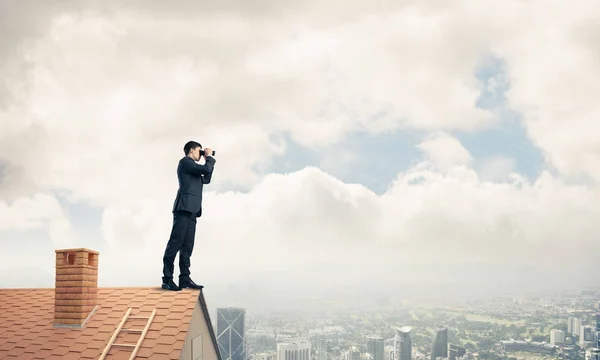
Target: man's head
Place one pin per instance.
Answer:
(192, 149)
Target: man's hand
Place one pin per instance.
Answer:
(207, 152)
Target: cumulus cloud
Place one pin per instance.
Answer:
(313, 227)
(552, 83)
(445, 150)
(97, 104)
(496, 168)
(40, 210)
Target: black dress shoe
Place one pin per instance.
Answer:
(190, 284)
(170, 286)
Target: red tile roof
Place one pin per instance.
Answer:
(27, 331)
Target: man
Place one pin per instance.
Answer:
(187, 207)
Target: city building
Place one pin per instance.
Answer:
(390, 352)
(439, 344)
(231, 324)
(296, 350)
(541, 348)
(264, 356)
(353, 353)
(375, 347)
(557, 337)
(597, 335)
(574, 326)
(321, 349)
(586, 336)
(455, 351)
(403, 344)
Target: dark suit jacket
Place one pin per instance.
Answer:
(192, 177)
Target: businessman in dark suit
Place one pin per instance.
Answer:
(187, 207)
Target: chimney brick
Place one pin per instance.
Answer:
(76, 285)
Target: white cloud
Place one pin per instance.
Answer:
(109, 98)
(554, 73)
(309, 224)
(40, 210)
(496, 168)
(445, 150)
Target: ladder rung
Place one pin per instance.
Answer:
(136, 346)
(133, 330)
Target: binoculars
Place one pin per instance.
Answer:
(202, 152)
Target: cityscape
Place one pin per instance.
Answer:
(563, 326)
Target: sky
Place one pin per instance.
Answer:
(444, 147)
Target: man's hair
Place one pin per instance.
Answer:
(190, 145)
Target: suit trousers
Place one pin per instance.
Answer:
(182, 241)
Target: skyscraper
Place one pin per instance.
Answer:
(597, 316)
(574, 326)
(353, 353)
(375, 347)
(455, 351)
(587, 335)
(231, 333)
(439, 344)
(403, 344)
(557, 337)
(298, 350)
(321, 349)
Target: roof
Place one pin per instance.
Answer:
(27, 331)
(404, 329)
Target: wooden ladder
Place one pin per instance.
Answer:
(136, 346)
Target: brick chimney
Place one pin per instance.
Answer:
(76, 289)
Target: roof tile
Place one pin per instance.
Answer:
(146, 352)
(71, 356)
(27, 332)
(42, 354)
(169, 331)
(61, 350)
(7, 346)
(17, 351)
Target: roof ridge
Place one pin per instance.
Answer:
(208, 321)
(99, 287)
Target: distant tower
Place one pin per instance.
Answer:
(321, 350)
(231, 324)
(574, 326)
(455, 351)
(403, 344)
(353, 353)
(597, 332)
(439, 345)
(557, 337)
(299, 350)
(375, 347)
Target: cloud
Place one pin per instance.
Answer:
(445, 150)
(496, 168)
(98, 102)
(40, 210)
(313, 227)
(100, 86)
(552, 82)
